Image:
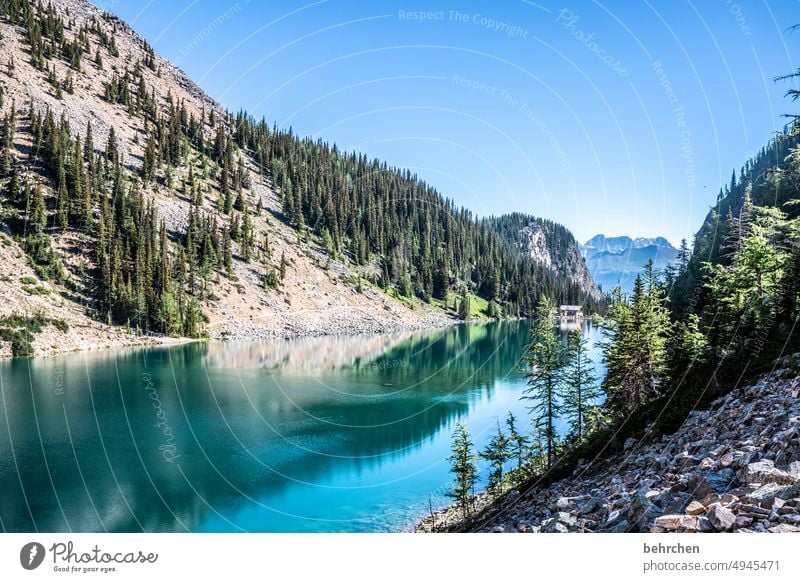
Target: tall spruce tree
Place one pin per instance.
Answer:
(581, 390)
(545, 359)
(463, 467)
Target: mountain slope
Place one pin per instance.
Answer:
(613, 260)
(147, 205)
(550, 245)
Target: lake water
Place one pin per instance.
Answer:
(337, 434)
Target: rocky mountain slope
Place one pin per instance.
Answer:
(548, 244)
(733, 467)
(619, 259)
(118, 89)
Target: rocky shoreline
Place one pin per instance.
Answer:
(330, 324)
(732, 468)
(99, 336)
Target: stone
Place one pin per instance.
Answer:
(721, 517)
(642, 511)
(794, 468)
(764, 471)
(706, 464)
(774, 490)
(628, 444)
(695, 508)
(791, 518)
(563, 504)
(784, 528)
(566, 518)
(676, 522)
(592, 505)
(701, 485)
(668, 522)
(726, 460)
(498, 529)
(554, 526)
(742, 521)
(704, 525)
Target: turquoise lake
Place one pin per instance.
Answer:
(333, 434)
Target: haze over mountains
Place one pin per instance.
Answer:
(618, 259)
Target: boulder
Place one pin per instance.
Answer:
(774, 490)
(764, 471)
(592, 505)
(695, 508)
(784, 528)
(676, 522)
(642, 511)
(701, 485)
(721, 517)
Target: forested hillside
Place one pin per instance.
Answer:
(139, 199)
(684, 338)
(553, 246)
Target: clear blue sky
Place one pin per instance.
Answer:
(614, 117)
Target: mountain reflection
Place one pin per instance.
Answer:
(171, 439)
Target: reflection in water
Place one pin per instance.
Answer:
(318, 434)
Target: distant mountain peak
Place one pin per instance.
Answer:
(616, 260)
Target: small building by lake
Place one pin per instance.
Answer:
(570, 312)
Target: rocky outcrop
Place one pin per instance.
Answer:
(732, 468)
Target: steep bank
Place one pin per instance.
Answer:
(733, 467)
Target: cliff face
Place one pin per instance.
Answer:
(565, 259)
(551, 245)
(733, 467)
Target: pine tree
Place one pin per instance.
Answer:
(580, 384)
(463, 467)
(545, 359)
(519, 444)
(497, 453)
(635, 351)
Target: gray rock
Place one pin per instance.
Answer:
(774, 490)
(628, 444)
(764, 471)
(554, 526)
(592, 505)
(721, 517)
(566, 518)
(642, 511)
(701, 485)
(784, 528)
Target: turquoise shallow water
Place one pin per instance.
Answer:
(316, 434)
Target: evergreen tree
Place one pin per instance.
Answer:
(519, 444)
(581, 390)
(463, 467)
(497, 453)
(545, 359)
